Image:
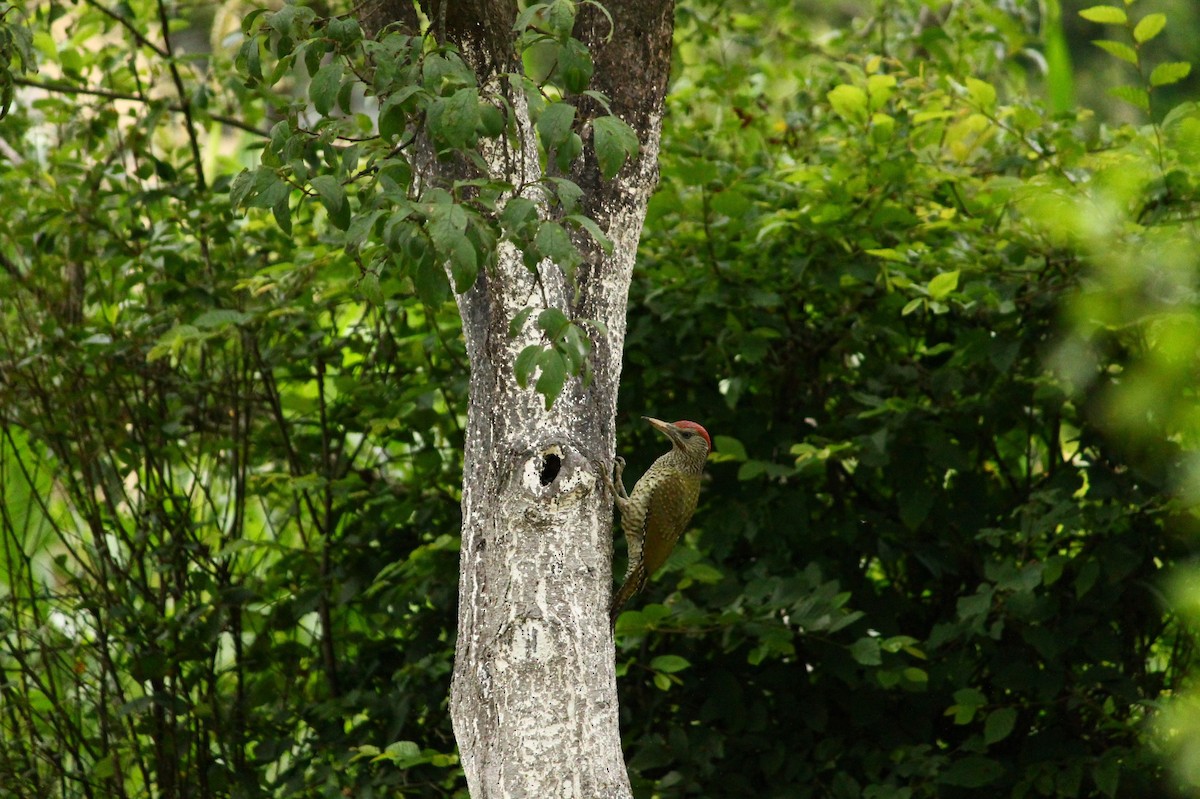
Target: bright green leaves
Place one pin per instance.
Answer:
(553, 242)
(934, 294)
(1144, 30)
(1134, 95)
(1105, 15)
(1118, 50)
(857, 102)
(1170, 72)
(666, 668)
(1148, 27)
(982, 93)
(941, 286)
(849, 102)
(863, 103)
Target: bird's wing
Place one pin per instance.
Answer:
(667, 516)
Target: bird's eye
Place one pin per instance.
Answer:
(688, 435)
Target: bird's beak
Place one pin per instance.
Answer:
(666, 428)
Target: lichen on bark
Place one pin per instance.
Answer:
(533, 699)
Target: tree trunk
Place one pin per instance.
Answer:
(534, 700)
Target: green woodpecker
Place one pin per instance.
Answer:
(661, 505)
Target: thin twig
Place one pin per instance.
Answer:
(185, 104)
(67, 88)
(127, 24)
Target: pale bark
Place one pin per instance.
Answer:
(534, 700)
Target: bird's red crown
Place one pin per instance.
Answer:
(687, 425)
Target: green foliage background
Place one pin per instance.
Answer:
(945, 340)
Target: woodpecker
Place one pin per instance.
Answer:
(661, 505)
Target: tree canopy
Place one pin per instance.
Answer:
(940, 320)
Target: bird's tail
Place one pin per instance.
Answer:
(635, 581)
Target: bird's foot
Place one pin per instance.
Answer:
(618, 489)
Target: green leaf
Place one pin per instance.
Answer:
(212, 320)
(554, 124)
(983, 94)
(429, 279)
(553, 322)
(249, 58)
(282, 211)
(333, 197)
(575, 66)
(966, 702)
(402, 750)
(568, 151)
(392, 120)
(999, 725)
(1170, 72)
(1148, 27)
(729, 448)
(446, 224)
(880, 89)
(368, 284)
(527, 361)
(518, 216)
(568, 193)
(669, 664)
(553, 242)
(593, 230)
(464, 264)
(887, 254)
(849, 102)
(560, 20)
(615, 142)
(241, 187)
(525, 18)
(518, 321)
(553, 376)
(1105, 15)
(323, 90)
(941, 286)
(575, 346)
(104, 768)
(455, 120)
(491, 120)
(866, 651)
(1118, 49)
(1134, 95)
(268, 189)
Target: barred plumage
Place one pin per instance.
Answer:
(661, 505)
